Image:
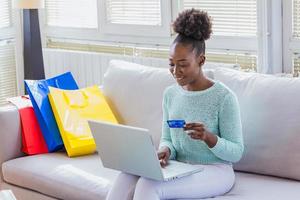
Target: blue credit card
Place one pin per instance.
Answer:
(176, 123)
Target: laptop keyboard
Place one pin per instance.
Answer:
(177, 168)
(167, 172)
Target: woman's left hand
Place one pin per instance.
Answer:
(196, 130)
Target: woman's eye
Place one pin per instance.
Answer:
(171, 65)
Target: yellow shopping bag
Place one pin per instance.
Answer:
(71, 109)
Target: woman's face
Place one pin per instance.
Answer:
(184, 65)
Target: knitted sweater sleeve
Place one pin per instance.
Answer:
(230, 145)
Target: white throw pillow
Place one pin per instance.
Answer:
(270, 112)
(210, 67)
(135, 92)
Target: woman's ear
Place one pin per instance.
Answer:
(201, 60)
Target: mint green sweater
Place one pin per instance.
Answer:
(217, 107)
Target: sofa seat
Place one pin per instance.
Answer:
(258, 187)
(59, 176)
(67, 178)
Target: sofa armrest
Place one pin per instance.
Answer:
(10, 134)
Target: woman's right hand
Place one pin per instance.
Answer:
(163, 155)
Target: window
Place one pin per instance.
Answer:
(245, 61)
(251, 33)
(291, 20)
(296, 64)
(234, 30)
(8, 80)
(139, 18)
(296, 37)
(5, 14)
(231, 17)
(72, 13)
(296, 19)
(132, 13)
(73, 19)
(108, 21)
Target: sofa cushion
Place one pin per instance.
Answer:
(135, 94)
(66, 178)
(270, 111)
(251, 187)
(62, 177)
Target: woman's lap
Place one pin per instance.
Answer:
(214, 180)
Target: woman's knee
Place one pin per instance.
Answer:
(127, 178)
(123, 187)
(145, 187)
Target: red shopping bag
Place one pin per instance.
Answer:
(32, 139)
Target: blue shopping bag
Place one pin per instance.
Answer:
(38, 92)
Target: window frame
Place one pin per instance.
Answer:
(270, 45)
(111, 33)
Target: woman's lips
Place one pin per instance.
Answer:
(179, 78)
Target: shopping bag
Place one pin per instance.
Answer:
(38, 92)
(71, 109)
(32, 139)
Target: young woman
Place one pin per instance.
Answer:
(212, 136)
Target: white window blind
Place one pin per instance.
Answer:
(8, 83)
(296, 19)
(72, 13)
(296, 64)
(230, 17)
(245, 61)
(8, 80)
(233, 20)
(108, 20)
(5, 17)
(143, 18)
(134, 12)
(294, 42)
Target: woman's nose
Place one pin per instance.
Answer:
(176, 71)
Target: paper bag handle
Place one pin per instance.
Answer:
(76, 101)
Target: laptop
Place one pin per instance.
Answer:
(131, 150)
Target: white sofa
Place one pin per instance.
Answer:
(270, 110)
